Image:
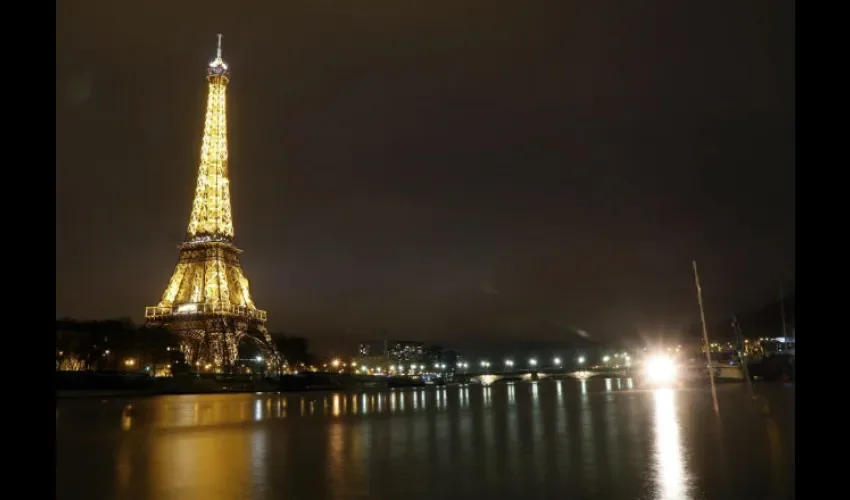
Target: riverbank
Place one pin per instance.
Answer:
(105, 384)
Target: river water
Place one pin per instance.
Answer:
(569, 439)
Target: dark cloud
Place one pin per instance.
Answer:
(393, 165)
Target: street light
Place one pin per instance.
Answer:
(557, 361)
(581, 360)
(605, 359)
(532, 362)
(509, 362)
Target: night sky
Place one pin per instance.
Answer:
(444, 171)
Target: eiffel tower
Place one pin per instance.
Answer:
(208, 301)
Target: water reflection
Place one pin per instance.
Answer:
(258, 410)
(126, 418)
(671, 481)
(508, 440)
(464, 396)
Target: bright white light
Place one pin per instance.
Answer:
(259, 358)
(532, 362)
(660, 369)
(187, 308)
(606, 359)
(557, 361)
(581, 360)
(508, 362)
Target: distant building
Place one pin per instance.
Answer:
(401, 351)
(364, 349)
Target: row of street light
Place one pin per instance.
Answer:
(532, 362)
(556, 362)
(509, 364)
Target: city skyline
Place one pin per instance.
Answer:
(384, 190)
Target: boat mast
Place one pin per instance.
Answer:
(705, 339)
(742, 354)
(782, 311)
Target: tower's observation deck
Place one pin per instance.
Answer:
(208, 299)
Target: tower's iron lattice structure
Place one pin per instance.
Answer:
(208, 300)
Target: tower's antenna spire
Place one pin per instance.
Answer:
(218, 51)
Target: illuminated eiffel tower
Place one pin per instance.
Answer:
(208, 301)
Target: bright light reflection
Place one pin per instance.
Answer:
(126, 418)
(671, 481)
(607, 385)
(335, 407)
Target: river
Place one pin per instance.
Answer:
(570, 439)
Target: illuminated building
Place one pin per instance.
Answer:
(364, 349)
(208, 301)
(407, 351)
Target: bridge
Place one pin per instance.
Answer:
(491, 377)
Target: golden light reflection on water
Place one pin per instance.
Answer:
(200, 410)
(669, 467)
(211, 465)
(127, 418)
(336, 409)
(246, 446)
